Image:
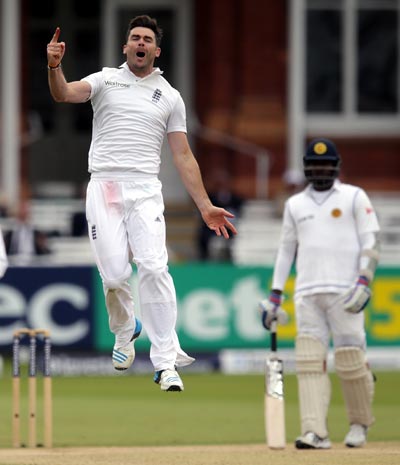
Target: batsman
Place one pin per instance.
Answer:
(331, 232)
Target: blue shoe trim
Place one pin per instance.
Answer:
(119, 356)
(157, 376)
(138, 329)
(173, 379)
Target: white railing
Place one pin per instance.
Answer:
(237, 144)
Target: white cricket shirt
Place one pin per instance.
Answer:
(322, 230)
(130, 118)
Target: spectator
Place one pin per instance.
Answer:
(23, 239)
(3, 257)
(221, 193)
(293, 181)
(79, 225)
(3, 206)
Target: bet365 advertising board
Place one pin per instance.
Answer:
(217, 307)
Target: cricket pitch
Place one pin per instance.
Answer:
(382, 453)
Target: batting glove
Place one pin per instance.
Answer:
(357, 297)
(270, 310)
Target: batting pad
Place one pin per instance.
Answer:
(314, 385)
(357, 384)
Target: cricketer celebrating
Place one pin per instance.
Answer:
(133, 108)
(330, 229)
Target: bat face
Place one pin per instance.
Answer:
(274, 405)
(274, 378)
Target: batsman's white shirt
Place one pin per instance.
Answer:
(126, 109)
(323, 231)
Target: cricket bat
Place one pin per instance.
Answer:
(274, 403)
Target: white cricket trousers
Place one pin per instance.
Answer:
(323, 316)
(125, 223)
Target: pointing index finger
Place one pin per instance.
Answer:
(56, 35)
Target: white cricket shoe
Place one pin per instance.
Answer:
(123, 357)
(311, 440)
(357, 436)
(169, 380)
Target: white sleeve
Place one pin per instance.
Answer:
(95, 81)
(286, 251)
(3, 257)
(177, 118)
(368, 234)
(364, 213)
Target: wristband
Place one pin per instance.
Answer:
(52, 68)
(275, 298)
(363, 280)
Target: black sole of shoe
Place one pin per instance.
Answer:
(301, 445)
(174, 389)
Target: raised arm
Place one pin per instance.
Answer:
(60, 89)
(188, 168)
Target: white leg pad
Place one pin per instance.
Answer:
(314, 385)
(357, 384)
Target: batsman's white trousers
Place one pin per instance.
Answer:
(125, 223)
(323, 316)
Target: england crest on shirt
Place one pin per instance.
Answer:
(156, 95)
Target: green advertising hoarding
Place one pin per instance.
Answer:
(217, 308)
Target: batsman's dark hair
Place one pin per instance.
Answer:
(146, 21)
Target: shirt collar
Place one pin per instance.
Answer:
(337, 186)
(156, 71)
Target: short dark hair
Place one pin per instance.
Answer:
(146, 21)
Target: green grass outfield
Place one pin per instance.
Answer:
(213, 409)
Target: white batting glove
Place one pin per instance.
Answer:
(270, 310)
(357, 297)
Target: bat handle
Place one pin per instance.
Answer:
(273, 336)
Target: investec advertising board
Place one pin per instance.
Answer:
(217, 307)
(59, 299)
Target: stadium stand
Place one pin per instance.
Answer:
(259, 231)
(256, 243)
